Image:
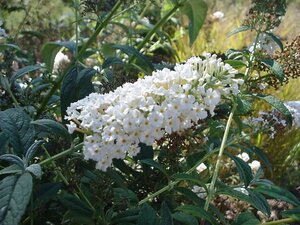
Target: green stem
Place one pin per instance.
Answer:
(155, 28)
(148, 3)
(57, 168)
(84, 197)
(13, 97)
(252, 56)
(282, 221)
(61, 154)
(78, 56)
(211, 190)
(173, 183)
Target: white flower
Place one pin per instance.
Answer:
(201, 168)
(255, 165)
(244, 156)
(265, 43)
(294, 108)
(59, 60)
(218, 15)
(71, 127)
(200, 191)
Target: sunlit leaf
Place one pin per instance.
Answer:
(196, 11)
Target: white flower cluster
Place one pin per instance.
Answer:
(266, 44)
(142, 112)
(267, 121)
(294, 108)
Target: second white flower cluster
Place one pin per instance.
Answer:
(143, 112)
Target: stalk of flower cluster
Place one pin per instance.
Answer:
(211, 189)
(61, 154)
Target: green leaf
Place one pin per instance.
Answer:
(243, 168)
(35, 169)
(241, 196)
(200, 202)
(52, 127)
(276, 39)
(130, 215)
(246, 218)
(243, 106)
(189, 194)
(166, 215)
(147, 216)
(9, 46)
(196, 11)
(197, 212)
(237, 64)
(45, 192)
(240, 29)
(260, 202)
(185, 219)
(156, 165)
(115, 176)
(13, 159)
(292, 213)
(11, 169)
(3, 143)
(77, 208)
(15, 123)
(75, 86)
(50, 50)
(142, 61)
(111, 61)
(84, 82)
(25, 70)
(32, 149)
(4, 82)
(275, 67)
(121, 195)
(277, 104)
(145, 153)
(278, 193)
(15, 193)
(189, 177)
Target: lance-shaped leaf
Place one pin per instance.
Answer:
(277, 104)
(21, 72)
(196, 11)
(32, 149)
(13, 159)
(240, 29)
(148, 216)
(15, 193)
(52, 127)
(275, 67)
(15, 124)
(243, 168)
